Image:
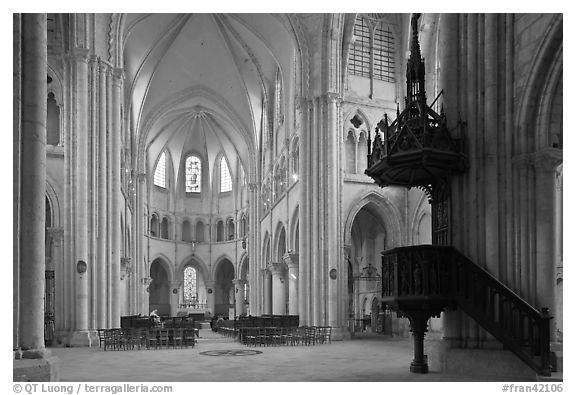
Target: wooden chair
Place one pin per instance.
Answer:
(164, 337)
(177, 337)
(109, 339)
(101, 336)
(152, 338)
(188, 337)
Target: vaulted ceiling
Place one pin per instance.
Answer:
(197, 82)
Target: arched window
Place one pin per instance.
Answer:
(225, 179)
(154, 226)
(372, 53)
(243, 224)
(359, 61)
(52, 121)
(278, 114)
(383, 53)
(350, 153)
(230, 229)
(220, 231)
(193, 167)
(190, 290)
(186, 235)
(160, 172)
(200, 231)
(362, 153)
(164, 228)
(295, 160)
(48, 213)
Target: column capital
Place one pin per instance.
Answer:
(265, 272)
(546, 159)
(174, 285)
(118, 73)
(239, 282)
(103, 66)
(332, 97)
(291, 260)
(79, 54)
(277, 268)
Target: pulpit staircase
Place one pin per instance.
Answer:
(421, 281)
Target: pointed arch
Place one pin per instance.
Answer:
(218, 262)
(546, 66)
(52, 197)
(279, 247)
(165, 262)
(295, 230)
(197, 263)
(385, 210)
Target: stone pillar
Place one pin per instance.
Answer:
(102, 203)
(545, 163)
(332, 275)
(174, 297)
(81, 270)
(291, 260)
(116, 196)
(267, 305)
(239, 296)
(58, 260)
(33, 185)
(253, 248)
(139, 234)
(210, 302)
(305, 210)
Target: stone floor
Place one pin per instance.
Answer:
(367, 359)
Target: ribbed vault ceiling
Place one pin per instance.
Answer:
(197, 82)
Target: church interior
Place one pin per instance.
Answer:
(389, 175)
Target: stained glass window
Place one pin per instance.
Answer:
(360, 52)
(225, 179)
(190, 291)
(383, 53)
(193, 174)
(160, 172)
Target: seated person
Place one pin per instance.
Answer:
(155, 317)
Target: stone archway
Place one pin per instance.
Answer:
(224, 288)
(159, 288)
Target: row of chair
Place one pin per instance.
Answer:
(138, 338)
(278, 336)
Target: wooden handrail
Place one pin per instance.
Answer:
(442, 275)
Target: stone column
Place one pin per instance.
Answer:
(239, 296)
(81, 270)
(278, 270)
(332, 275)
(141, 230)
(253, 248)
(115, 195)
(210, 302)
(267, 305)
(102, 202)
(545, 163)
(305, 210)
(33, 185)
(291, 260)
(59, 280)
(174, 297)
